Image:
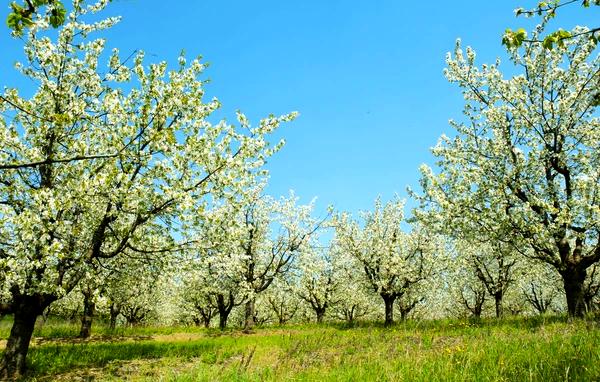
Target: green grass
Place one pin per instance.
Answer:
(514, 349)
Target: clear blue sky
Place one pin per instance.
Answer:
(366, 77)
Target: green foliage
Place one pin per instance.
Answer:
(57, 14)
(22, 16)
(557, 37)
(514, 38)
(546, 10)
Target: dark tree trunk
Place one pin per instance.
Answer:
(249, 315)
(389, 308)
(404, 314)
(477, 311)
(73, 316)
(89, 308)
(320, 315)
(114, 313)
(224, 308)
(223, 316)
(26, 310)
(573, 279)
(206, 321)
(350, 315)
(498, 302)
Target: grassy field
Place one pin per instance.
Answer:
(514, 349)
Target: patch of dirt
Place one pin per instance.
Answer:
(126, 370)
(447, 341)
(74, 340)
(178, 337)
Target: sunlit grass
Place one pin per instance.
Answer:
(514, 349)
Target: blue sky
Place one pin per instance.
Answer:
(366, 77)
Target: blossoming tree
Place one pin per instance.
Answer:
(98, 157)
(393, 261)
(525, 160)
(272, 234)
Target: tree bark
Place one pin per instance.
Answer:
(404, 314)
(320, 315)
(114, 313)
(224, 308)
(350, 315)
(206, 321)
(573, 279)
(26, 310)
(498, 297)
(89, 308)
(249, 319)
(389, 308)
(223, 316)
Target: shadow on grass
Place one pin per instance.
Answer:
(60, 358)
(515, 322)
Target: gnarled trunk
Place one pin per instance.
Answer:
(26, 309)
(223, 316)
(224, 308)
(573, 279)
(320, 315)
(89, 308)
(389, 308)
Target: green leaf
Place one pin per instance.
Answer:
(548, 42)
(514, 39)
(13, 21)
(520, 36)
(16, 8)
(57, 15)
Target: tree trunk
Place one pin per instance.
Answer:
(224, 309)
(498, 302)
(114, 313)
(573, 279)
(206, 321)
(389, 308)
(404, 314)
(320, 315)
(89, 308)
(26, 311)
(223, 316)
(249, 321)
(350, 315)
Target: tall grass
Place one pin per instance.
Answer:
(513, 349)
